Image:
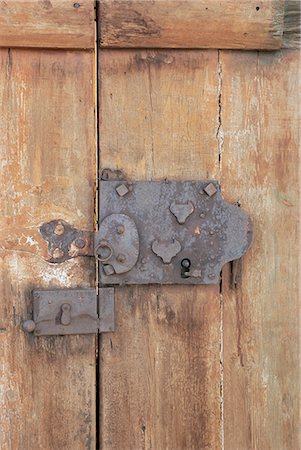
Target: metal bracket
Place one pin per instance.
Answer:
(164, 232)
(71, 311)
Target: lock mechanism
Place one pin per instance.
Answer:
(164, 232)
(71, 311)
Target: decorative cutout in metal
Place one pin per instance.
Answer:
(168, 232)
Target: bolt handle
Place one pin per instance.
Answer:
(28, 326)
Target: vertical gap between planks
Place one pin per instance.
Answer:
(220, 147)
(96, 219)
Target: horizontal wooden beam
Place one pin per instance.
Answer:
(47, 23)
(244, 24)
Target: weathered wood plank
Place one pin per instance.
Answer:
(247, 24)
(160, 370)
(47, 23)
(47, 137)
(261, 321)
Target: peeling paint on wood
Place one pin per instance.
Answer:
(47, 396)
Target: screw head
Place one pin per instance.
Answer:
(59, 229)
(28, 326)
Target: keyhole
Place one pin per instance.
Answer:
(66, 316)
(185, 267)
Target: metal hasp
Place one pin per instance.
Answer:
(167, 232)
(71, 311)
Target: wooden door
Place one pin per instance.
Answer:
(179, 90)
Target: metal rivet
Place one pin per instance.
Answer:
(211, 232)
(80, 243)
(28, 326)
(57, 253)
(59, 229)
(120, 229)
(122, 190)
(121, 258)
(210, 189)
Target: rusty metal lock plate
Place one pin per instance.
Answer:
(72, 311)
(168, 232)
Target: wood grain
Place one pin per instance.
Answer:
(160, 370)
(247, 24)
(47, 172)
(261, 321)
(47, 23)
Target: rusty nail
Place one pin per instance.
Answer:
(121, 258)
(57, 253)
(28, 326)
(80, 243)
(59, 229)
(108, 269)
(120, 229)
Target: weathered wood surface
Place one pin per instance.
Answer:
(160, 370)
(245, 24)
(260, 100)
(47, 23)
(47, 396)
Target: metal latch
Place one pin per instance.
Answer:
(71, 311)
(164, 232)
